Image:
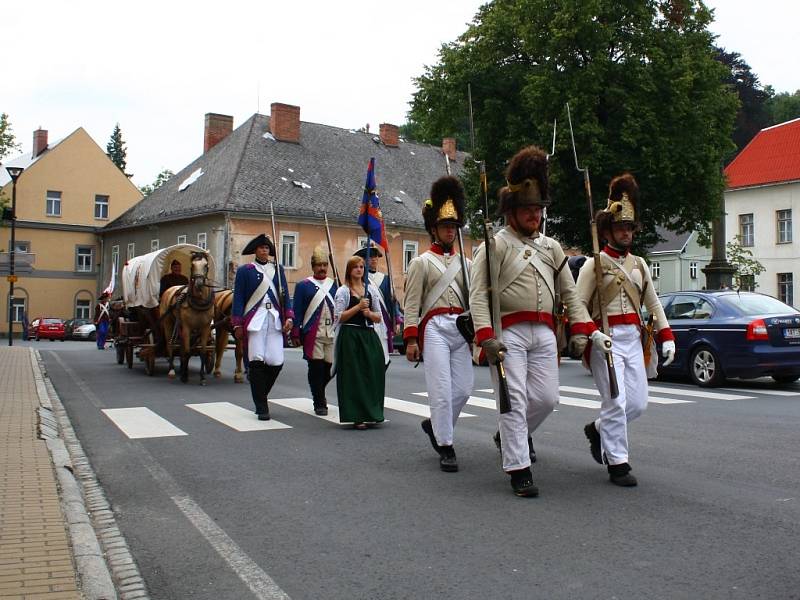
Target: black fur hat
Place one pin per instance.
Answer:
(260, 240)
(446, 204)
(623, 203)
(527, 181)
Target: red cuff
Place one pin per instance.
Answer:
(587, 328)
(237, 321)
(289, 314)
(665, 335)
(484, 334)
(410, 332)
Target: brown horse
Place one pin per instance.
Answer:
(187, 312)
(223, 305)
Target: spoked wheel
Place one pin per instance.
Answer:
(129, 355)
(120, 353)
(705, 368)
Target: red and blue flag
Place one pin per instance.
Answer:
(370, 217)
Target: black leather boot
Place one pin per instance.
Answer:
(427, 427)
(270, 377)
(522, 483)
(319, 373)
(621, 475)
(594, 441)
(258, 380)
(447, 459)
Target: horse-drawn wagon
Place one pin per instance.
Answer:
(154, 326)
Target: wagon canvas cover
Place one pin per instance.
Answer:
(141, 275)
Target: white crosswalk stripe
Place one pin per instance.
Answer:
(697, 393)
(306, 406)
(579, 402)
(473, 400)
(140, 423)
(764, 391)
(414, 408)
(236, 417)
(594, 392)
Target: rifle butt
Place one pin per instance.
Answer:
(504, 403)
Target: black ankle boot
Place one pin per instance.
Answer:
(447, 459)
(594, 442)
(621, 475)
(522, 483)
(258, 382)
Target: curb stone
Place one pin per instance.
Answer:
(91, 527)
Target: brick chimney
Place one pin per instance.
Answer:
(217, 129)
(389, 134)
(449, 147)
(39, 142)
(284, 122)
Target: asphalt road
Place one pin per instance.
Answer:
(316, 510)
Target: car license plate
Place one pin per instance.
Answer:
(791, 332)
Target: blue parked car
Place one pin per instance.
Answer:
(721, 334)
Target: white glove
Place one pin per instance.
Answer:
(601, 340)
(668, 352)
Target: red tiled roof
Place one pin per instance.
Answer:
(772, 156)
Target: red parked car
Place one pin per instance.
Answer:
(47, 328)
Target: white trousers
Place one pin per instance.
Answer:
(531, 367)
(616, 413)
(266, 343)
(448, 375)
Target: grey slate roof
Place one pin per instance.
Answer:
(673, 242)
(246, 170)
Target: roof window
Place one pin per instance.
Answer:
(190, 179)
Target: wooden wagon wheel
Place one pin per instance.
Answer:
(129, 354)
(120, 348)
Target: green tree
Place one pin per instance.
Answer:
(645, 92)
(8, 141)
(161, 179)
(783, 107)
(116, 151)
(752, 115)
(747, 267)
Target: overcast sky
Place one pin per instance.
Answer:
(157, 67)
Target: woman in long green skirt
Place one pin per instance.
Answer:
(360, 371)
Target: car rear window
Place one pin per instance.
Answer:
(51, 321)
(756, 304)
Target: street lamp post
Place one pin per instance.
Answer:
(14, 173)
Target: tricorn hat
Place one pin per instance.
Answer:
(260, 240)
(526, 177)
(446, 204)
(374, 251)
(623, 203)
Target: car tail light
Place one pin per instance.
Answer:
(757, 330)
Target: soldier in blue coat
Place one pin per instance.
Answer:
(313, 303)
(262, 315)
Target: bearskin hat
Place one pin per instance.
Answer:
(623, 203)
(526, 177)
(446, 204)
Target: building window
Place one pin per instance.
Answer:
(131, 251)
(786, 288)
(655, 270)
(409, 253)
(784, 226)
(82, 309)
(53, 204)
(84, 256)
(18, 310)
(747, 283)
(153, 245)
(288, 249)
(693, 270)
(202, 240)
(181, 239)
(115, 258)
(21, 246)
(101, 207)
(746, 230)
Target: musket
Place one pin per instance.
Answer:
(552, 151)
(277, 266)
(648, 339)
(613, 387)
(461, 248)
(330, 251)
(503, 402)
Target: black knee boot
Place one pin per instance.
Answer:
(271, 376)
(257, 373)
(319, 374)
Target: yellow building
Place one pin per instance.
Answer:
(66, 193)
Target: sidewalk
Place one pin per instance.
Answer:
(35, 553)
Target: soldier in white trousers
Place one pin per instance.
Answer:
(436, 293)
(625, 287)
(530, 275)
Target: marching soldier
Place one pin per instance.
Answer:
(435, 294)
(529, 272)
(388, 307)
(313, 302)
(261, 315)
(626, 285)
